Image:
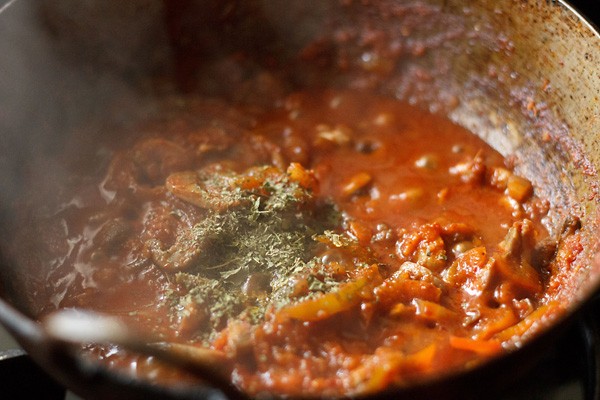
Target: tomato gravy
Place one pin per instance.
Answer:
(334, 243)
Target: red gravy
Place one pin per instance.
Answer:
(335, 243)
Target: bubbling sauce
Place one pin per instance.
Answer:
(335, 243)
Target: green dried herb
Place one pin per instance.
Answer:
(270, 232)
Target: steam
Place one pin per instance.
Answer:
(5, 6)
(70, 71)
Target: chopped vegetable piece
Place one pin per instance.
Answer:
(325, 305)
(514, 259)
(471, 270)
(394, 290)
(304, 177)
(519, 188)
(494, 321)
(381, 369)
(433, 312)
(339, 135)
(519, 330)
(483, 347)
(356, 183)
(499, 177)
(425, 247)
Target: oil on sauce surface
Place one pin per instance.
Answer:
(336, 243)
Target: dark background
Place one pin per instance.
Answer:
(589, 8)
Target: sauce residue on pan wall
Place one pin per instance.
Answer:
(335, 243)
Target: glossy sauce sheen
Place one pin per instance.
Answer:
(435, 261)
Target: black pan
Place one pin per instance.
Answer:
(524, 75)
